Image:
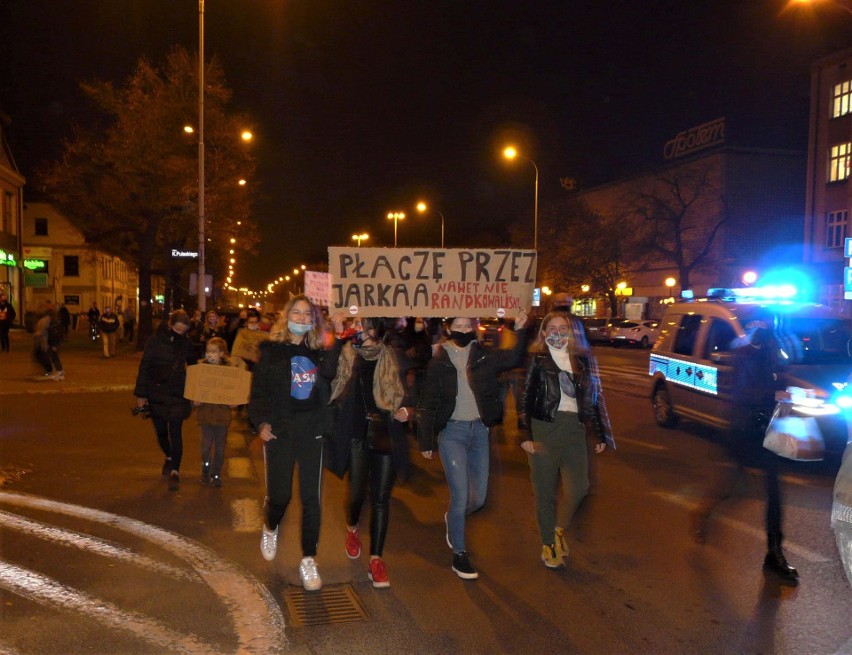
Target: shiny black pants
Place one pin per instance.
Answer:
(377, 468)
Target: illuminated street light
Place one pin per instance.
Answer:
(840, 5)
(241, 182)
(511, 153)
(395, 217)
(749, 277)
(670, 282)
(246, 135)
(189, 129)
(585, 288)
(422, 207)
(360, 237)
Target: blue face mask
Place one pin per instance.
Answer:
(299, 328)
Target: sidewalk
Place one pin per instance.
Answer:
(86, 368)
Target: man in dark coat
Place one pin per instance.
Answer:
(7, 317)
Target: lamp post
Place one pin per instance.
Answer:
(842, 6)
(202, 293)
(395, 217)
(511, 153)
(360, 237)
(422, 207)
(670, 282)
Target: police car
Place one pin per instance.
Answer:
(692, 366)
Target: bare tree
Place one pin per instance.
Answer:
(678, 215)
(130, 182)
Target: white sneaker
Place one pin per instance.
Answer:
(58, 375)
(269, 543)
(311, 580)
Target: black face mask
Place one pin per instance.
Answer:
(462, 338)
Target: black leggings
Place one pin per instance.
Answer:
(378, 467)
(170, 438)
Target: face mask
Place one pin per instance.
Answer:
(254, 326)
(462, 338)
(299, 328)
(556, 341)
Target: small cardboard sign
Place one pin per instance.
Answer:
(317, 287)
(217, 385)
(247, 344)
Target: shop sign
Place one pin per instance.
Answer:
(696, 138)
(35, 280)
(38, 252)
(7, 258)
(34, 264)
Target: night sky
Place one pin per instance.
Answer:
(360, 106)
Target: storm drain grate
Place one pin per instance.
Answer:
(331, 604)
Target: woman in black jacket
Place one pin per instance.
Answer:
(459, 402)
(562, 398)
(160, 384)
(289, 392)
(369, 395)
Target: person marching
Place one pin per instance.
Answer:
(289, 392)
(108, 325)
(562, 397)
(160, 385)
(370, 393)
(459, 402)
(214, 419)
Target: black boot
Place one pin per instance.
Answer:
(775, 560)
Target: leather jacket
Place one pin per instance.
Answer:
(542, 394)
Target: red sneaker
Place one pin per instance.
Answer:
(353, 544)
(378, 572)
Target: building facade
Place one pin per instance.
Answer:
(11, 211)
(61, 267)
(755, 194)
(828, 199)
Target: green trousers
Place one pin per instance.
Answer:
(560, 447)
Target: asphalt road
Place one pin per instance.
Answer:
(97, 556)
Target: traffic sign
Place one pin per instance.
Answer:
(847, 278)
(847, 247)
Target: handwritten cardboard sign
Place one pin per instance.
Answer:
(317, 287)
(431, 282)
(247, 344)
(219, 385)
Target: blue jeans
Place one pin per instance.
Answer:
(463, 446)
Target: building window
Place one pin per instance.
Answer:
(72, 266)
(41, 227)
(840, 105)
(835, 228)
(838, 165)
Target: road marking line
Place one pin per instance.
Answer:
(800, 551)
(644, 444)
(246, 515)
(255, 616)
(46, 591)
(92, 544)
(240, 467)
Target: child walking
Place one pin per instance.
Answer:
(214, 419)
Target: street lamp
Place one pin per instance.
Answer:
(422, 207)
(202, 295)
(670, 282)
(511, 153)
(360, 237)
(395, 217)
(842, 6)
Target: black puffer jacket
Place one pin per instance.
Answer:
(162, 373)
(542, 395)
(438, 395)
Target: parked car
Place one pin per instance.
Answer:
(634, 333)
(694, 372)
(595, 329)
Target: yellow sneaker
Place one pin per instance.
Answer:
(550, 558)
(561, 543)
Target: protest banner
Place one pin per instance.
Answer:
(218, 385)
(431, 282)
(316, 287)
(247, 344)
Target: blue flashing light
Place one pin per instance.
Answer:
(769, 292)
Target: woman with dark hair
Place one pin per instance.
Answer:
(562, 398)
(459, 402)
(289, 392)
(369, 394)
(160, 384)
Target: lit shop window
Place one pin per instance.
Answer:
(842, 100)
(835, 228)
(838, 165)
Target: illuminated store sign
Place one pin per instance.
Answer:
(34, 264)
(7, 258)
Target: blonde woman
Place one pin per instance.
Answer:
(562, 397)
(288, 395)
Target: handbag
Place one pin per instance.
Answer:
(377, 436)
(794, 437)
